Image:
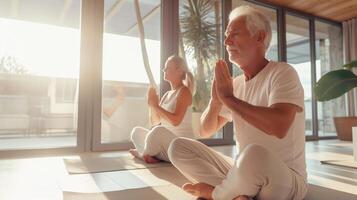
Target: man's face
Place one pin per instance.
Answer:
(242, 47)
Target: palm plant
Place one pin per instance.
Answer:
(198, 32)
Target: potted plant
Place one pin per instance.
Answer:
(199, 40)
(334, 84)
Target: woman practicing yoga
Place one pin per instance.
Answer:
(170, 116)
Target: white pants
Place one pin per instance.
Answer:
(154, 142)
(256, 173)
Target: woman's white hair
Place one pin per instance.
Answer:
(255, 21)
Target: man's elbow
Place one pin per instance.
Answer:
(281, 132)
(204, 133)
(176, 121)
(281, 135)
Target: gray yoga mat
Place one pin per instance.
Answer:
(85, 165)
(344, 163)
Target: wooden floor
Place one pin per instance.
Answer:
(47, 178)
(329, 181)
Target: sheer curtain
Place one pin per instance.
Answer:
(350, 53)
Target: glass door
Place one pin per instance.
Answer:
(298, 56)
(39, 73)
(124, 79)
(200, 44)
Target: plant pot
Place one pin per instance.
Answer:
(354, 137)
(344, 127)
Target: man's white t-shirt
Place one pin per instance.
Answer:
(277, 82)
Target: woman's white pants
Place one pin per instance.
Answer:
(154, 142)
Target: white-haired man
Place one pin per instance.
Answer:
(266, 105)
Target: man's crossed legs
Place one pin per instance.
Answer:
(257, 173)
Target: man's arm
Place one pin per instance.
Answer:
(211, 122)
(274, 120)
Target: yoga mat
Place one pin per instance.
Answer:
(85, 165)
(338, 145)
(345, 163)
(156, 193)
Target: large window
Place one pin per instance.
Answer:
(124, 79)
(328, 42)
(41, 81)
(39, 71)
(296, 51)
(298, 55)
(200, 43)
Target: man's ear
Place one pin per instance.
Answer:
(261, 35)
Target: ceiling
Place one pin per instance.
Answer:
(120, 18)
(119, 15)
(336, 10)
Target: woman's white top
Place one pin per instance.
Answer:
(184, 129)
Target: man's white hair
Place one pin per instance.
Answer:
(255, 21)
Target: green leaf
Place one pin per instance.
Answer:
(334, 84)
(350, 65)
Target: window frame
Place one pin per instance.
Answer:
(90, 81)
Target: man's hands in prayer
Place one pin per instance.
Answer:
(201, 190)
(223, 81)
(214, 97)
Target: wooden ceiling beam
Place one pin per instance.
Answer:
(341, 7)
(343, 16)
(332, 9)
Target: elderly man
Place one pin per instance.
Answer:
(266, 105)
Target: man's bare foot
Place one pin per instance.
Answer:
(201, 190)
(135, 153)
(242, 198)
(150, 159)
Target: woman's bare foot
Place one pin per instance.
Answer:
(150, 159)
